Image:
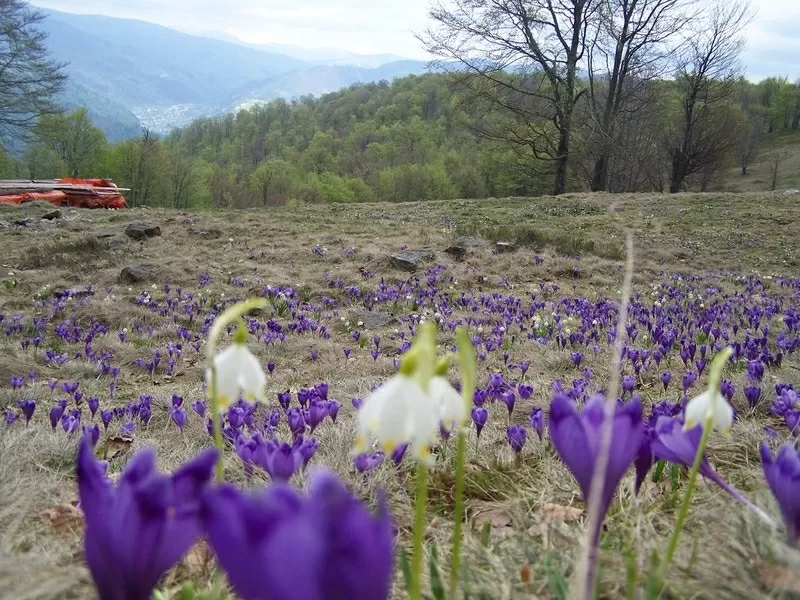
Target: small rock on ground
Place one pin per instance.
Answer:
(141, 230)
(411, 260)
(135, 274)
(51, 215)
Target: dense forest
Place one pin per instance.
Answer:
(476, 128)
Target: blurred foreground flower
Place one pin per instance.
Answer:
(140, 529)
(782, 473)
(278, 545)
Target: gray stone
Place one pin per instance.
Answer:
(205, 233)
(51, 215)
(135, 274)
(117, 242)
(468, 241)
(141, 230)
(504, 246)
(108, 233)
(791, 192)
(456, 251)
(372, 319)
(410, 260)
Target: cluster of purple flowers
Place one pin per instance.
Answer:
(139, 529)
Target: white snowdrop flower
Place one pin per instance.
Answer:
(237, 372)
(713, 403)
(361, 323)
(452, 410)
(398, 412)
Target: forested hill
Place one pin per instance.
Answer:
(415, 138)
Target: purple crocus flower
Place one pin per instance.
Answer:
(752, 394)
(314, 354)
(199, 406)
(671, 443)
(782, 473)
(479, 416)
(523, 367)
(297, 423)
(398, 453)
(727, 389)
(576, 437)
(666, 377)
(93, 404)
(235, 417)
(496, 381)
(516, 435)
(688, 380)
(16, 382)
(284, 399)
(346, 353)
(28, 407)
(318, 410)
(525, 390)
(93, 433)
(755, 370)
(509, 399)
(137, 531)
(628, 384)
(177, 401)
(333, 409)
(10, 416)
(367, 462)
(126, 429)
(106, 416)
(577, 358)
(792, 419)
(70, 423)
(374, 354)
(282, 462)
(263, 540)
(307, 447)
(55, 415)
(537, 421)
(270, 367)
(178, 416)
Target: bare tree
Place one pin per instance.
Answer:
(705, 76)
(521, 58)
(140, 164)
(29, 78)
(630, 49)
(775, 160)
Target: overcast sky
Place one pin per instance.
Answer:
(387, 26)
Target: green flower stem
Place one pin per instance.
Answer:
(235, 312)
(458, 518)
(419, 531)
(217, 421)
(466, 357)
(676, 533)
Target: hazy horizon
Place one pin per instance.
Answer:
(366, 27)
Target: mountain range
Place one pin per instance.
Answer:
(131, 74)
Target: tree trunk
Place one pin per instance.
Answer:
(560, 185)
(600, 175)
(676, 177)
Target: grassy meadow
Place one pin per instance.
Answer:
(327, 271)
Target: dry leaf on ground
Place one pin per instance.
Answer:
(65, 519)
(114, 446)
(776, 577)
(557, 512)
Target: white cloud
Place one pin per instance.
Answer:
(388, 26)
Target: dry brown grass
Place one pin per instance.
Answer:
(698, 234)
